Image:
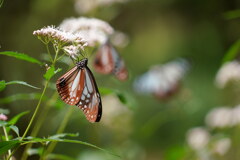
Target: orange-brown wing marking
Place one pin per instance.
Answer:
(90, 101)
(70, 85)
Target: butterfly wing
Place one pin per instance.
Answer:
(103, 62)
(108, 61)
(90, 100)
(69, 86)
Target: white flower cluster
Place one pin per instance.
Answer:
(93, 30)
(229, 71)
(56, 35)
(222, 117)
(83, 6)
(199, 138)
(72, 43)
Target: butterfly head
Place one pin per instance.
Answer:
(82, 63)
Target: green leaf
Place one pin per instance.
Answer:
(121, 97)
(3, 123)
(58, 70)
(43, 140)
(21, 83)
(6, 145)
(232, 52)
(35, 151)
(59, 157)
(106, 91)
(15, 129)
(2, 85)
(62, 135)
(17, 117)
(176, 152)
(12, 98)
(232, 14)
(51, 72)
(21, 56)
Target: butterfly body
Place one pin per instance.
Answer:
(78, 87)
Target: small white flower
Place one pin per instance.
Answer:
(198, 138)
(220, 117)
(3, 117)
(72, 51)
(229, 71)
(222, 146)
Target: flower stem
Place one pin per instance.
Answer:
(39, 123)
(7, 139)
(49, 52)
(36, 110)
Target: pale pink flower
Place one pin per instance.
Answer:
(3, 117)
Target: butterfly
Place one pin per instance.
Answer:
(162, 80)
(108, 61)
(78, 87)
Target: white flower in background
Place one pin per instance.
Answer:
(58, 36)
(198, 138)
(3, 117)
(229, 71)
(236, 115)
(94, 31)
(222, 146)
(82, 23)
(220, 117)
(83, 6)
(119, 39)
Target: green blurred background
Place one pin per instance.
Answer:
(158, 31)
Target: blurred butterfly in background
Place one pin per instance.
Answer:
(162, 80)
(78, 87)
(108, 61)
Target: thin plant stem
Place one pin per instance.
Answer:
(14, 150)
(36, 110)
(60, 130)
(37, 126)
(56, 55)
(44, 113)
(48, 51)
(7, 139)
